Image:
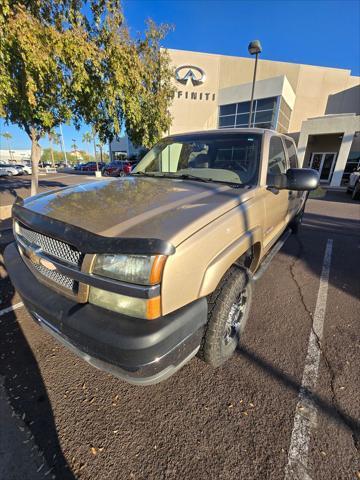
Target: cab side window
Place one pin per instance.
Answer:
(294, 163)
(277, 159)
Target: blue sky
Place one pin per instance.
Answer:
(322, 32)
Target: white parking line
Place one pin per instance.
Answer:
(306, 413)
(10, 309)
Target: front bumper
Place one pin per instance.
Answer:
(139, 351)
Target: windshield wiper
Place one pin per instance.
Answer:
(188, 176)
(184, 176)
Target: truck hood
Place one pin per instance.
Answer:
(167, 209)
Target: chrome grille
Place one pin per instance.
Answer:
(47, 246)
(61, 250)
(56, 277)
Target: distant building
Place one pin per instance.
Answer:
(15, 156)
(318, 106)
(122, 147)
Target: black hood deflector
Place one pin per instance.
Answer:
(88, 242)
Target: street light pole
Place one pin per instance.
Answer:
(254, 48)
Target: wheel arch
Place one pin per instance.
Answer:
(244, 253)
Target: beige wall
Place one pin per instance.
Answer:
(188, 114)
(312, 86)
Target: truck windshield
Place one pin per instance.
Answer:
(226, 158)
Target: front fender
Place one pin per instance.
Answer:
(222, 262)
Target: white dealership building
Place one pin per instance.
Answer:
(318, 106)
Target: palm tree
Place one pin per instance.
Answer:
(53, 138)
(90, 137)
(100, 145)
(8, 137)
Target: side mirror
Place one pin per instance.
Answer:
(302, 179)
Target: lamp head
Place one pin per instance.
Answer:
(254, 47)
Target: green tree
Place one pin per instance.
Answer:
(62, 62)
(8, 137)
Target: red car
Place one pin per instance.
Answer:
(118, 168)
(91, 167)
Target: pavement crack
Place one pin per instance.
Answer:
(355, 433)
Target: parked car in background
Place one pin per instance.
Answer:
(118, 168)
(354, 184)
(91, 166)
(44, 164)
(27, 169)
(79, 166)
(9, 170)
(21, 169)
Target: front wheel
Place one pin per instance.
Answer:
(229, 307)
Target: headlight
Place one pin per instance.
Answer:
(148, 309)
(140, 269)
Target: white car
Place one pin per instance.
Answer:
(354, 177)
(8, 170)
(354, 184)
(26, 169)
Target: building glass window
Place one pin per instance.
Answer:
(284, 117)
(228, 109)
(272, 112)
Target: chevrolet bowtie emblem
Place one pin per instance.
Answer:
(47, 264)
(191, 73)
(34, 258)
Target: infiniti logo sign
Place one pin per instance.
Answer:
(187, 73)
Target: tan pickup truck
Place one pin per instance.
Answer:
(139, 274)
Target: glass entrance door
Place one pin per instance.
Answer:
(324, 164)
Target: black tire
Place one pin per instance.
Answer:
(356, 192)
(296, 222)
(229, 307)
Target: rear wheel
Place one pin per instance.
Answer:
(297, 221)
(229, 307)
(10, 174)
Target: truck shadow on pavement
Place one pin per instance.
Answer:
(26, 391)
(331, 410)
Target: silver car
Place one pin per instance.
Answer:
(8, 170)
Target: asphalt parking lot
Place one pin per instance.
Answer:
(286, 406)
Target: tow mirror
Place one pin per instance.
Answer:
(302, 179)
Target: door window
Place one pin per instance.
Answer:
(293, 160)
(277, 160)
